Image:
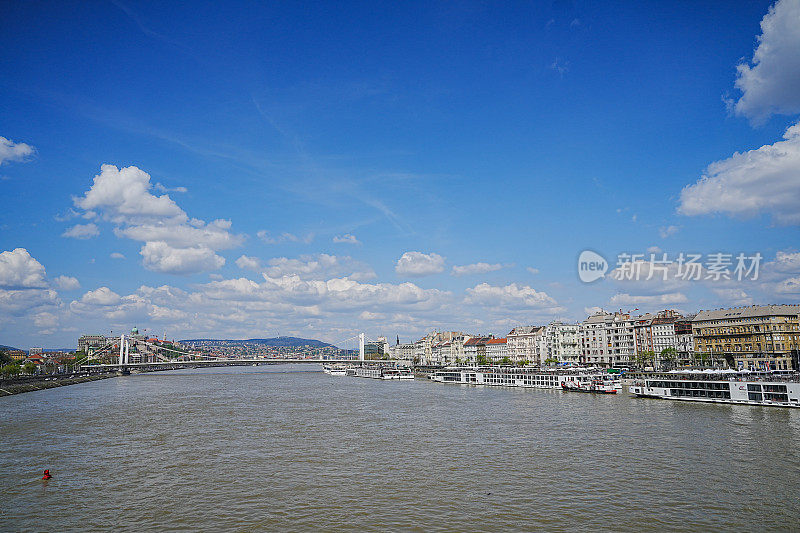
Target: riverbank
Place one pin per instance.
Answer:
(7, 389)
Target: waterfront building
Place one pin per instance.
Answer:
(758, 337)
(607, 339)
(526, 343)
(475, 350)
(402, 352)
(92, 343)
(562, 342)
(496, 350)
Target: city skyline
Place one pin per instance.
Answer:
(271, 171)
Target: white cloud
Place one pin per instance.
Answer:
(788, 286)
(592, 310)
(667, 231)
(772, 84)
(248, 263)
(20, 302)
(367, 315)
(532, 270)
(347, 238)
(265, 236)
(733, 296)
(67, 283)
(654, 300)
(161, 188)
(161, 257)
(19, 270)
(101, 296)
(764, 180)
(511, 296)
(116, 255)
(173, 242)
(475, 268)
(418, 264)
(82, 231)
(321, 266)
(11, 151)
(654, 250)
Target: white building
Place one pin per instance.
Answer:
(526, 343)
(496, 349)
(607, 339)
(562, 342)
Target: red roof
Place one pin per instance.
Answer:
(496, 341)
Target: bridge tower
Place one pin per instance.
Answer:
(360, 346)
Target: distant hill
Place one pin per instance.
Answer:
(275, 341)
(4, 347)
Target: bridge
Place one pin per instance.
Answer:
(168, 358)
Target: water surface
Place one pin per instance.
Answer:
(277, 448)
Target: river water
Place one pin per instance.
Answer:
(287, 448)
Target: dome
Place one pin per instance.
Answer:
(135, 331)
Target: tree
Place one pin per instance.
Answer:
(29, 367)
(10, 370)
(482, 361)
(522, 363)
(643, 358)
(550, 361)
(505, 361)
(5, 358)
(668, 357)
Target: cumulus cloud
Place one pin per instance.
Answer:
(248, 263)
(417, 264)
(67, 283)
(159, 256)
(475, 268)
(511, 296)
(12, 151)
(265, 236)
(174, 243)
(24, 290)
(116, 255)
(347, 238)
(321, 266)
(764, 180)
(82, 231)
(771, 83)
(19, 270)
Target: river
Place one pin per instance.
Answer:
(290, 448)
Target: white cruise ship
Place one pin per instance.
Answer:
(380, 372)
(781, 389)
(522, 377)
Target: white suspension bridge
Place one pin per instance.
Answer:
(150, 356)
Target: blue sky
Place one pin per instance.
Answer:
(504, 139)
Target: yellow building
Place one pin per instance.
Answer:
(757, 337)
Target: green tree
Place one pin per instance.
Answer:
(550, 361)
(5, 358)
(644, 358)
(522, 363)
(29, 367)
(10, 370)
(669, 356)
(505, 361)
(482, 361)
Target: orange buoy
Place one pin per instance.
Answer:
(46, 475)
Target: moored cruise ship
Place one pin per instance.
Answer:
(520, 377)
(781, 389)
(380, 372)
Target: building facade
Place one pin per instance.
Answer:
(607, 339)
(562, 343)
(525, 343)
(758, 337)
